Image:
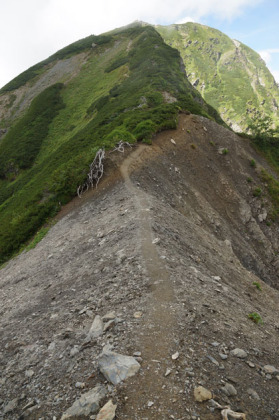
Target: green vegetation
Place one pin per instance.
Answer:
(257, 285)
(225, 151)
(255, 317)
(230, 76)
(257, 192)
(253, 163)
(22, 144)
(37, 238)
(273, 190)
(46, 153)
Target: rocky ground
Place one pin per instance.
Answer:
(163, 263)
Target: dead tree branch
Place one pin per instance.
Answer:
(120, 146)
(96, 170)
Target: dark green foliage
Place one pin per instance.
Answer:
(118, 134)
(21, 145)
(98, 104)
(257, 192)
(145, 129)
(116, 63)
(75, 48)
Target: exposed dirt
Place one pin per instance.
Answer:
(172, 242)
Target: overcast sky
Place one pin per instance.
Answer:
(32, 30)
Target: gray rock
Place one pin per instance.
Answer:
(108, 325)
(11, 406)
(96, 329)
(223, 356)
(107, 412)
(213, 360)
(74, 350)
(88, 403)
(109, 316)
(229, 390)
(117, 368)
(241, 354)
(270, 370)
(253, 394)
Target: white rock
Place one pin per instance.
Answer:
(172, 141)
(175, 356)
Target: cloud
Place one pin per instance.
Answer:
(275, 74)
(267, 54)
(31, 30)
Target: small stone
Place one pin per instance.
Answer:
(229, 390)
(215, 344)
(29, 373)
(175, 356)
(109, 316)
(241, 354)
(137, 354)
(96, 329)
(213, 360)
(74, 350)
(168, 372)
(107, 412)
(150, 403)
(251, 365)
(271, 370)
(172, 141)
(156, 241)
(202, 394)
(51, 347)
(223, 356)
(80, 385)
(138, 314)
(253, 394)
(108, 325)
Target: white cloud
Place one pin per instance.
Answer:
(275, 74)
(267, 54)
(31, 30)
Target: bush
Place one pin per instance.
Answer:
(144, 130)
(255, 317)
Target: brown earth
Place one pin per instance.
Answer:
(172, 242)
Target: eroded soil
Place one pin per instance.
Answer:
(172, 242)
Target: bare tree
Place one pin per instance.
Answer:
(96, 170)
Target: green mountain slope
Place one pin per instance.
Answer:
(230, 76)
(124, 85)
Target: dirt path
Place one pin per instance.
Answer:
(148, 394)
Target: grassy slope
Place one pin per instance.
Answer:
(117, 94)
(231, 78)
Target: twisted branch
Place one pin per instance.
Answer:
(96, 170)
(120, 146)
(226, 411)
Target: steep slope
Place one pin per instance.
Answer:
(177, 244)
(230, 76)
(125, 85)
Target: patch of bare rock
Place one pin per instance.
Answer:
(94, 328)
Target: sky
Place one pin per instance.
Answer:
(32, 30)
